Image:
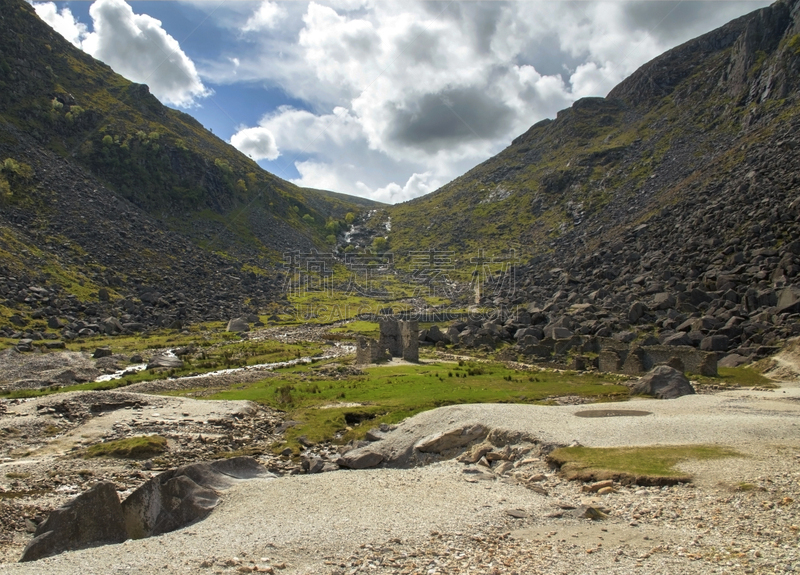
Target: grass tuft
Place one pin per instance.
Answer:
(633, 465)
(139, 447)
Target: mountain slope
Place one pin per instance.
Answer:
(101, 186)
(680, 122)
(672, 204)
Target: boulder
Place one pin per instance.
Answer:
(635, 312)
(715, 343)
(556, 332)
(625, 336)
(238, 325)
(102, 352)
(663, 382)
(663, 301)
(435, 335)
(111, 326)
(453, 438)
(529, 331)
(93, 518)
(733, 360)
(789, 301)
(360, 459)
(679, 338)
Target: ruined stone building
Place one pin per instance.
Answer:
(398, 338)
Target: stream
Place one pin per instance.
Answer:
(337, 350)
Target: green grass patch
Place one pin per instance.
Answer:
(139, 447)
(341, 410)
(633, 465)
(357, 328)
(743, 376)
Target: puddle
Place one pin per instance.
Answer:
(612, 413)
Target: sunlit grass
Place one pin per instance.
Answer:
(641, 465)
(388, 394)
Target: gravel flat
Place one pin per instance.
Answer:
(438, 519)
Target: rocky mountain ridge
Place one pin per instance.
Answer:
(671, 202)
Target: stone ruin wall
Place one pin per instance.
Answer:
(639, 360)
(398, 338)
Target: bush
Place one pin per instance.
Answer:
(16, 170)
(309, 219)
(223, 165)
(380, 244)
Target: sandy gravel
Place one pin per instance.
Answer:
(438, 519)
(729, 418)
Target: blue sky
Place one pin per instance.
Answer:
(378, 98)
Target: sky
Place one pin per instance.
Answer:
(385, 99)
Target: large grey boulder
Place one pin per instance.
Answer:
(635, 312)
(679, 338)
(714, 343)
(181, 496)
(451, 439)
(93, 518)
(663, 301)
(663, 382)
(556, 332)
(789, 300)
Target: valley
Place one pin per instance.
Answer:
(582, 355)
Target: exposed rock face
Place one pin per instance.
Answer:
(663, 382)
(184, 495)
(93, 518)
(27, 371)
(168, 501)
(451, 439)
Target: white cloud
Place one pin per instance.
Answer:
(349, 5)
(258, 143)
(62, 22)
(265, 17)
(137, 47)
(402, 97)
(417, 185)
(134, 45)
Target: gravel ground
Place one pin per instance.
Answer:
(740, 516)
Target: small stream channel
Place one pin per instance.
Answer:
(337, 350)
